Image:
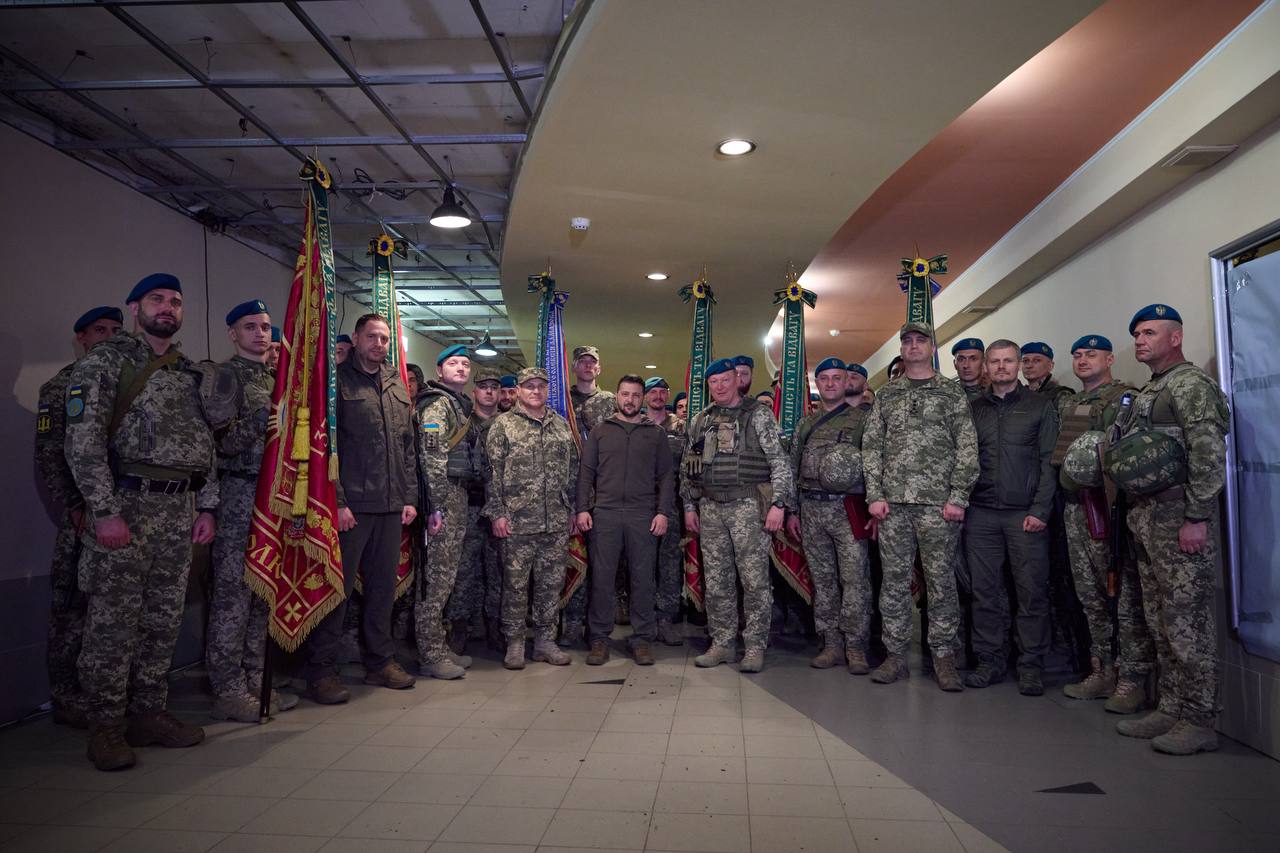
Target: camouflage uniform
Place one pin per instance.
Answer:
(236, 644)
(532, 483)
(920, 451)
(732, 460)
(826, 454)
(479, 571)
(66, 617)
(670, 557)
(1178, 588)
(444, 419)
(973, 392)
(136, 592)
(1091, 561)
(588, 411)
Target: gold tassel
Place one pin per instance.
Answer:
(301, 450)
(300, 491)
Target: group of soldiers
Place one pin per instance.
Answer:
(148, 452)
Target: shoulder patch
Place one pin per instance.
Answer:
(44, 421)
(75, 402)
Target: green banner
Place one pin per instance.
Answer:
(792, 380)
(319, 181)
(545, 286)
(916, 280)
(700, 347)
(384, 301)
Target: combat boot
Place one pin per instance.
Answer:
(107, 747)
(1029, 681)
(391, 675)
(752, 661)
(944, 672)
(643, 653)
(1186, 739)
(327, 691)
(1127, 698)
(570, 635)
(281, 701)
(856, 662)
(830, 655)
(1098, 684)
(151, 728)
(444, 669)
(70, 714)
(599, 653)
(893, 668)
(668, 635)
(549, 652)
(459, 632)
(240, 707)
(463, 661)
(514, 658)
(714, 656)
(990, 671)
(1152, 725)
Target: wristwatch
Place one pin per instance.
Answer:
(780, 504)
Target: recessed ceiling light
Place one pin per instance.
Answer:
(646, 334)
(651, 367)
(736, 147)
(657, 276)
(768, 339)
(835, 333)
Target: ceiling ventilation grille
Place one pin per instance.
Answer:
(1198, 156)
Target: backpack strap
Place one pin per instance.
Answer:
(133, 385)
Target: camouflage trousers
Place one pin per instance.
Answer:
(66, 614)
(735, 549)
(841, 574)
(908, 527)
(1090, 561)
(444, 553)
(136, 595)
(236, 645)
(492, 574)
(469, 586)
(1178, 599)
(670, 571)
(539, 557)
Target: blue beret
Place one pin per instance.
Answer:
(1092, 342)
(343, 339)
(155, 281)
(1154, 312)
(720, 365)
(832, 363)
(245, 309)
(102, 312)
(1038, 348)
(275, 334)
(857, 368)
(656, 382)
(681, 396)
(744, 361)
(968, 343)
(508, 380)
(450, 352)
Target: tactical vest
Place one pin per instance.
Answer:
(726, 455)
(1081, 418)
(1149, 455)
(831, 460)
(463, 461)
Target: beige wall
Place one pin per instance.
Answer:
(1162, 255)
(72, 238)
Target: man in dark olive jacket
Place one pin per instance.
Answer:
(626, 499)
(377, 490)
(1009, 511)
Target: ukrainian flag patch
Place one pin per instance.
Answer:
(431, 435)
(75, 402)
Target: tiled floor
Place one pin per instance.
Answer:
(668, 758)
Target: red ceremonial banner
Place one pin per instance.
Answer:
(789, 560)
(575, 567)
(693, 572)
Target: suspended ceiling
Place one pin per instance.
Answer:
(210, 106)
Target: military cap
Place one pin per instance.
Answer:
(765, 393)
(155, 281)
(831, 363)
(93, 315)
(527, 373)
(857, 368)
(508, 380)
(1038, 348)
(655, 382)
(246, 309)
(744, 361)
(450, 352)
(683, 395)
(275, 334)
(343, 339)
(579, 352)
(1157, 311)
(720, 365)
(922, 328)
(968, 343)
(1092, 342)
(487, 374)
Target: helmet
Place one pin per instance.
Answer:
(1082, 466)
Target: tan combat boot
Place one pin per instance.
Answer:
(1186, 739)
(714, 656)
(599, 654)
(832, 652)
(548, 651)
(1152, 725)
(1098, 684)
(1127, 698)
(107, 747)
(160, 728)
(856, 662)
(668, 635)
(443, 669)
(893, 668)
(752, 661)
(391, 675)
(241, 707)
(515, 654)
(643, 653)
(327, 691)
(944, 672)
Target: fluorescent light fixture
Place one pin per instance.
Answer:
(736, 147)
(645, 334)
(450, 214)
(657, 276)
(486, 349)
(651, 367)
